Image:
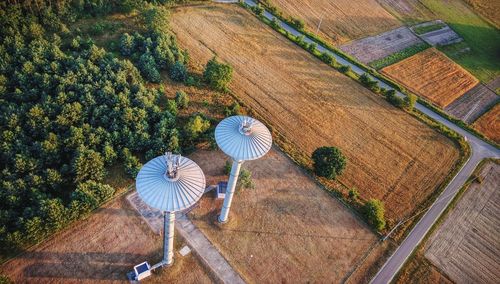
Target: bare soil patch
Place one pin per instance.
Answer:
(489, 124)
(472, 104)
(467, 245)
(376, 47)
(432, 75)
(392, 155)
(287, 229)
(343, 20)
(102, 249)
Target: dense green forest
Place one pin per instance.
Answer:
(69, 110)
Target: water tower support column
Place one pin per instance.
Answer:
(231, 187)
(168, 237)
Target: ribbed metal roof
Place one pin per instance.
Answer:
(160, 192)
(243, 145)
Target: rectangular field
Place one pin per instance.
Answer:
(286, 229)
(341, 20)
(376, 47)
(467, 245)
(432, 75)
(472, 104)
(102, 249)
(407, 11)
(392, 155)
(489, 124)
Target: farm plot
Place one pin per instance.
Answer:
(467, 246)
(432, 75)
(472, 104)
(376, 47)
(285, 224)
(488, 9)
(489, 124)
(391, 154)
(408, 11)
(341, 20)
(102, 249)
(437, 33)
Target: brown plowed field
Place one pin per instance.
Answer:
(392, 155)
(102, 249)
(432, 75)
(490, 9)
(286, 229)
(343, 20)
(489, 124)
(467, 246)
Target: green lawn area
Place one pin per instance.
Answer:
(429, 28)
(483, 39)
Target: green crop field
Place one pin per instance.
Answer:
(429, 28)
(482, 38)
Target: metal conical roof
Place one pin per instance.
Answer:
(166, 194)
(243, 138)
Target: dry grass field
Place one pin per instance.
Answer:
(343, 20)
(408, 11)
(102, 249)
(391, 154)
(489, 124)
(432, 75)
(376, 47)
(489, 9)
(286, 229)
(467, 245)
(472, 104)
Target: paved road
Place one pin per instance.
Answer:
(480, 151)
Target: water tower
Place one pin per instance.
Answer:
(242, 138)
(170, 183)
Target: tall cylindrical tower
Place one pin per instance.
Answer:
(242, 138)
(170, 183)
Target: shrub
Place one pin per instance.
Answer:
(274, 23)
(126, 44)
(298, 24)
(374, 213)
(328, 162)
(258, 9)
(345, 68)
(218, 75)
(131, 164)
(196, 126)
(410, 101)
(148, 68)
(394, 99)
(327, 58)
(245, 180)
(233, 109)
(178, 72)
(312, 47)
(181, 99)
(353, 194)
(227, 167)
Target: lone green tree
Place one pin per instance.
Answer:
(218, 75)
(328, 162)
(374, 212)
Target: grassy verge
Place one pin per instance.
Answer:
(398, 56)
(482, 38)
(429, 28)
(417, 261)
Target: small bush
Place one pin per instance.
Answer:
(345, 69)
(233, 109)
(374, 212)
(196, 126)
(327, 58)
(227, 167)
(312, 47)
(245, 180)
(181, 99)
(353, 194)
(178, 72)
(328, 162)
(410, 101)
(298, 24)
(218, 75)
(258, 9)
(393, 98)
